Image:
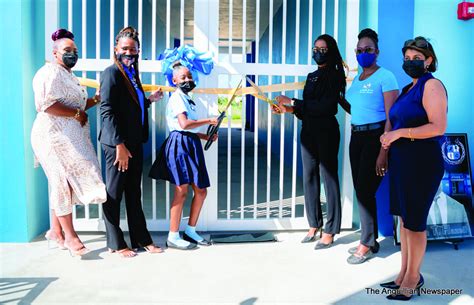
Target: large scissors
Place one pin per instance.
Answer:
(212, 130)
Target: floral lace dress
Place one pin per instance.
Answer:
(61, 146)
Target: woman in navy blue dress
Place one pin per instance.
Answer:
(416, 166)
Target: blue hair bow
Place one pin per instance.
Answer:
(189, 57)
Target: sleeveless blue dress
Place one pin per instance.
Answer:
(415, 167)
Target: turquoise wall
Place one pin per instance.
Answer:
(453, 42)
(24, 207)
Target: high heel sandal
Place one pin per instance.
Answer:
(309, 239)
(77, 252)
(52, 236)
(401, 297)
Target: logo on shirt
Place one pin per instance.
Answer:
(367, 89)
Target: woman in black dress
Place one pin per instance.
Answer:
(320, 136)
(416, 165)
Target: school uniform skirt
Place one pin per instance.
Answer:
(181, 160)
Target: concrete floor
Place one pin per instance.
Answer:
(285, 272)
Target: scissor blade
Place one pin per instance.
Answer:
(260, 95)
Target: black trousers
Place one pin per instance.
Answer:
(319, 148)
(127, 182)
(363, 151)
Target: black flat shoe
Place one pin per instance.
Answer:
(375, 248)
(171, 245)
(320, 245)
(356, 259)
(203, 242)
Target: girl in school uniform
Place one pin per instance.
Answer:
(181, 160)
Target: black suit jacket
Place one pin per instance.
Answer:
(120, 110)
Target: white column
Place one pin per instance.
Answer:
(347, 190)
(51, 16)
(206, 38)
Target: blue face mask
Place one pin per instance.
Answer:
(366, 60)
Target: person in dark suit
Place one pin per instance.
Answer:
(124, 129)
(320, 137)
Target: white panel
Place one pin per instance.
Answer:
(336, 19)
(69, 16)
(283, 43)
(168, 23)
(181, 23)
(257, 30)
(153, 106)
(255, 157)
(323, 17)
(112, 35)
(270, 33)
(282, 158)
(295, 122)
(140, 18)
(206, 38)
(219, 67)
(269, 151)
(310, 31)
(297, 33)
(229, 154)
(125, 13)
(242, 156)
(230, 30)
(347, 189)
(244, 31)
(84, 29)
(97, 77)
(50, 14)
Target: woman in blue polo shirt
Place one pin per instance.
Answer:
(372, 93)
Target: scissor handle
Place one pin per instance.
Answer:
(212, 130)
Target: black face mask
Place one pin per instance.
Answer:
(70, 59)
(414, 68)
(320, 58)
(121, 56)
(186, 86)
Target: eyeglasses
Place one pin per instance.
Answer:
(365, 50)
(320, 50)
(417, 42)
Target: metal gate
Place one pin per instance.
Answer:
(254, 168)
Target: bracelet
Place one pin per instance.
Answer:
(95, 100)
(409, 135)
(78, 113)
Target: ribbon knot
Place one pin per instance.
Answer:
(197, 62)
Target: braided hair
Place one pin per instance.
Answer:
(333, 75)
(132, 33)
